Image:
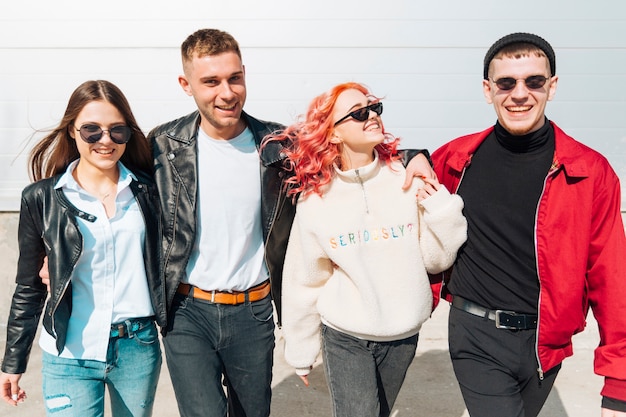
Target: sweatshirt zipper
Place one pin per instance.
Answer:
(360, 181)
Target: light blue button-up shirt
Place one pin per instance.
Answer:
(109, 281)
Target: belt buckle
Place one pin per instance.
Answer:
(503, 326)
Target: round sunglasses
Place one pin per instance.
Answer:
(509, 83)
(363, 113)
(91, 133)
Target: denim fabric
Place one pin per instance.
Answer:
(364, 377)
(206, 343)
(75, 387)
(496, 368)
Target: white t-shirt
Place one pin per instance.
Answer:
(228, 253)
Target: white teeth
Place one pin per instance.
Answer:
(104, 152)
(519, 109)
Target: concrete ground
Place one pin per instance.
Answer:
(430, 389)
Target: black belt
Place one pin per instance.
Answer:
(128, 328)
(504, 319)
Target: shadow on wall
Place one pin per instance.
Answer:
(430, 390)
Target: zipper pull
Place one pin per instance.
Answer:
(540, 372)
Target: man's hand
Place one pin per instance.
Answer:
(10, 390)
(44, 274)
(418, 167)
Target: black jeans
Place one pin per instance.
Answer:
(207, 342)
(364, 377)
(496, 368)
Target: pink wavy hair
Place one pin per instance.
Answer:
(311, 155)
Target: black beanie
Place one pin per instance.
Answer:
(520, 37)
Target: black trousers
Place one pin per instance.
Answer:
(496, 368)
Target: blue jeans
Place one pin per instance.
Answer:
(75, 387)
(209, 343)
(364, 377)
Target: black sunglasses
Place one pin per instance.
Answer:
(93, 133)
(363, 113)
(532, 82)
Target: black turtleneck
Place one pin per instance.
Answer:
(501, 188)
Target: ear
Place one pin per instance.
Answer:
(182, 80)
(334, 138)
(487, 91)
(70, 131)
(552, 90)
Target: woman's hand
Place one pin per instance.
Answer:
(305, 379)
(10, 390)
(303, 373)
(431, 185)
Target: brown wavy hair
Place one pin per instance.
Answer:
(52, 154)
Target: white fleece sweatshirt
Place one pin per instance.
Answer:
(358, 257)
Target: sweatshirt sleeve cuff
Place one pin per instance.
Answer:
(303, 371)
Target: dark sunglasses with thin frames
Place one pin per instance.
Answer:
(363, 113)
(532, 83)
(91, 133)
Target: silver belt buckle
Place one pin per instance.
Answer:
(502, 326)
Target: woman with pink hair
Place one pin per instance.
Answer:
(356, 283)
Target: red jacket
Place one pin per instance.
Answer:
(580, 248)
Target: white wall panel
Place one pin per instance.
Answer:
(424, 57)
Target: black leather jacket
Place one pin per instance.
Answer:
(175, 154)
(48, 227)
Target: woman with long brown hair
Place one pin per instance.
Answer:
(93, 213)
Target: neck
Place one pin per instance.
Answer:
(353, 160)
(99, 183)
(223, 132)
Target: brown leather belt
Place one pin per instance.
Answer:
(223, 297)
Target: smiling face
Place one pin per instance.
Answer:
(103, 155)
(520, 110)
(217, 84)
(357, 139)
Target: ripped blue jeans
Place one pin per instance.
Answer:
(75, 387)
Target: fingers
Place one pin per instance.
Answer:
(408, 180)
(433, 182)
(417, 167)
(44, 274)
(431, 185)
(305, 379)
(10, 389)
(19, 397)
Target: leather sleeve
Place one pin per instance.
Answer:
(26, 308)
(408, 154)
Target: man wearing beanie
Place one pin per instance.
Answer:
(545, 243)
